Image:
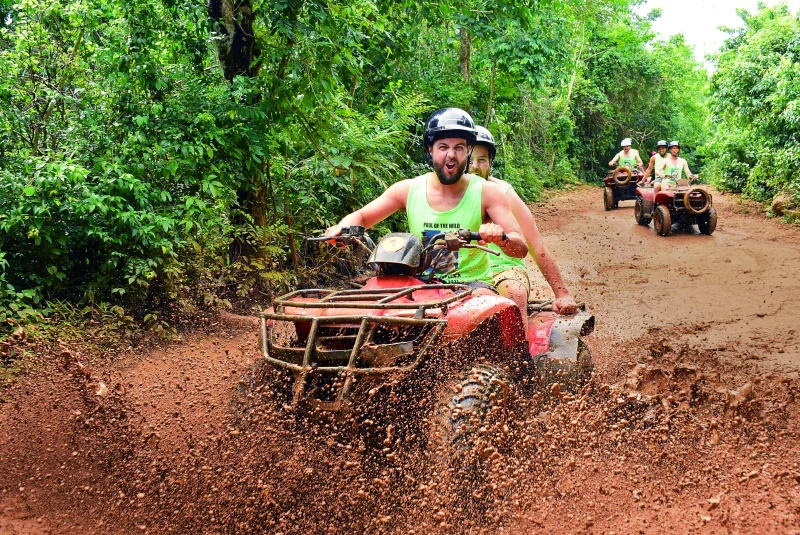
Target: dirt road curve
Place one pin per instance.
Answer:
(690, 425)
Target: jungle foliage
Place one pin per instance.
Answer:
(173, 153)
(755, 105)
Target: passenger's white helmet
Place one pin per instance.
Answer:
(626, 142)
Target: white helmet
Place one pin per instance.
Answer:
(626, 142)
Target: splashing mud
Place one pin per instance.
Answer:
(197, 436)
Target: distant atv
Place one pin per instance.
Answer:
(620, 185)
(408, 349)
(683, 204)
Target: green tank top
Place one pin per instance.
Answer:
(498, 264)
(627, 161)
(470, 264)
(674, 171)
(659, 163)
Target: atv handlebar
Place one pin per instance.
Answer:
(476, 236)
(460, 239)
(454, 240)
(354, 234)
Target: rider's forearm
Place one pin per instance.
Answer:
(541, 255)
(516, 247)
(549, 268)
(354, 219)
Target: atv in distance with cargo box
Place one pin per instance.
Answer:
(409, 351)
(682, 204)
(620, 185)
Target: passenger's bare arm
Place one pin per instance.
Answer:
(650, 165)
(564, 304)
(496, 207)
(660, 172)
(392, 200)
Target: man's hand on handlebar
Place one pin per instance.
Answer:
(491, 233)
(335, 230)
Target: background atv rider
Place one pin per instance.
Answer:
(656, 162)
(627, 157)
(672, 169)
(509, 274)
(448, 199)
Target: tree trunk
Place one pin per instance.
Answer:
(236, 48)
(491, 96)
(237, 55)
(576, 62)
(464, 56)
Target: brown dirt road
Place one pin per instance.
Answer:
(691, 425)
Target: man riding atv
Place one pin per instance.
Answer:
(656, 162)
(627, 157)
(671, 169)
(449, 198)
(509, 274)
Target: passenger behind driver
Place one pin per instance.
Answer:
(656, 161)
(510, 275)
(672, 170)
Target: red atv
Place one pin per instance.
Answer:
(620, 186)
(683, 204)
(409, 348)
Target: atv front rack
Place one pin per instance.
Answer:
(372, 298)
(364, 355)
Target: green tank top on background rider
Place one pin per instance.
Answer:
(424, 221)
(659, 163)
(627, 161)
(503, 262)
(674, 171)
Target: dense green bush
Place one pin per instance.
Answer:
(755, 102)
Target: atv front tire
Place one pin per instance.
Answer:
(708, 223)
(471, 405)
(642, 218)
(608, 198)
(662, 220)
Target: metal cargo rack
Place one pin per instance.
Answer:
(316, 357)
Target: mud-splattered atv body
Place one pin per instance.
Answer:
(685, 205)
(620, 185)
(405, 344)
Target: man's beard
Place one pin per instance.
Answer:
(458, 172)
(478, 171)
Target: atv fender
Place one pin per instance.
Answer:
(564, 335)
(557, 354)
(557, 336)
(645, 193)
(464, 317)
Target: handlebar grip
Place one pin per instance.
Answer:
(476, 236)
